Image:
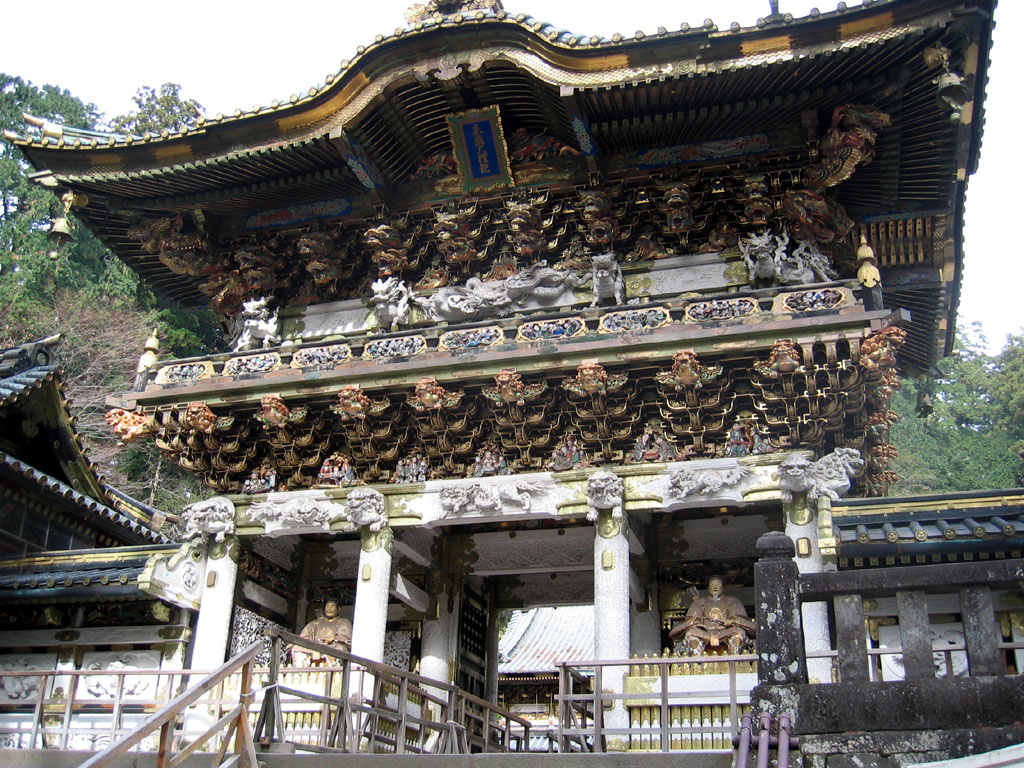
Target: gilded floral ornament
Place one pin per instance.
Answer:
(687, 372)
(509, 388)
(431, 396)
(353, 403)
(129, 426)
(783, 358)
(592, 379)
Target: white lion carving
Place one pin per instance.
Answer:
(391, 297)
(212, 517)
(829, 476)
(608, 282)
(480, 499)
(366, 506)
(256, 326)
(702, 481)
(604, 491)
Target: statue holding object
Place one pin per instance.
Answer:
(332, 630)
(714, 620)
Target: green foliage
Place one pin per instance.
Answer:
(158, 110)
(965, 444)
(91, 298)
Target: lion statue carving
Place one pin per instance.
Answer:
(391, 297)
(256, 326)
(212, 517)
(604, 491)
(366, 506)
(829, 476)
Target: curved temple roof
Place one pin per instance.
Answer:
(355, 140)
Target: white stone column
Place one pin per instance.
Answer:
(216, 606)
(438, 645)
(611, 593)
(645, 625)
(802, 528)
(373, 587)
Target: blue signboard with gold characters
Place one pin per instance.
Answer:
(480, 150)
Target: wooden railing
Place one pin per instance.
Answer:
(359, 705)
(668, 706)
(168, 718)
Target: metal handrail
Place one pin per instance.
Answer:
(237, 720)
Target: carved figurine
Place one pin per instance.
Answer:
(740, 441)
(509, 388)
(829, 476)
(652, 445)
(355, 405)
(592, 379)
(199, 417)
(273, 412)
(263, 479)
(849, 142)
(757, 206)
(411, 469)
(815, 218)
(607, 279)
(391, 298)
(714, 620)
(128, 425)
(568, 454)
(784, 358)
(763, 255)
(388, 250)
(675, 205)
(212, 517)
(489, 462)
(687, 372)
(256, 326)
(367, 506)
(332, 630)
(879, 349)
(431, 396)
(336, 471)
(688, 481)
(806, 264)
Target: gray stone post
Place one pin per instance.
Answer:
(780, 642)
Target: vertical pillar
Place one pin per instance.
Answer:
(645, 618)
(438, 646)
(611, 594)
(815, 615)
(213, 627)
(780, 649)
(491, 683)
(373, 588)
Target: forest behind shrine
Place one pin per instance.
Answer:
(960, 430)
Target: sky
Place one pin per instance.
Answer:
(228, 54)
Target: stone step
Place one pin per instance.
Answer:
(40, 758)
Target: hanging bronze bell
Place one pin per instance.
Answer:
(60, 231)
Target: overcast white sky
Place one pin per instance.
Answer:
(228, 54)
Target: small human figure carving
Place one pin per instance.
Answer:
(332, 630)
(714, 620)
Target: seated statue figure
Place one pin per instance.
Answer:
(714, 620)
(331, 630)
